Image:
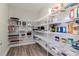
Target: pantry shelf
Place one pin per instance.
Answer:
(42, 38)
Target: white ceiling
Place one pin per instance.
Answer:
(34, 7)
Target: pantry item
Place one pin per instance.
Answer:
(56, 38)
(72, 14)
(70, 28)
(75, 45)
(63, 40)
(70, 40)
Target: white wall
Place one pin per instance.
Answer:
(3, 28)
(22, 13)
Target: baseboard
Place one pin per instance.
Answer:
(22, 44)
(6, 51)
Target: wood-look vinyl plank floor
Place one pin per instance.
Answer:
(27, 50)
